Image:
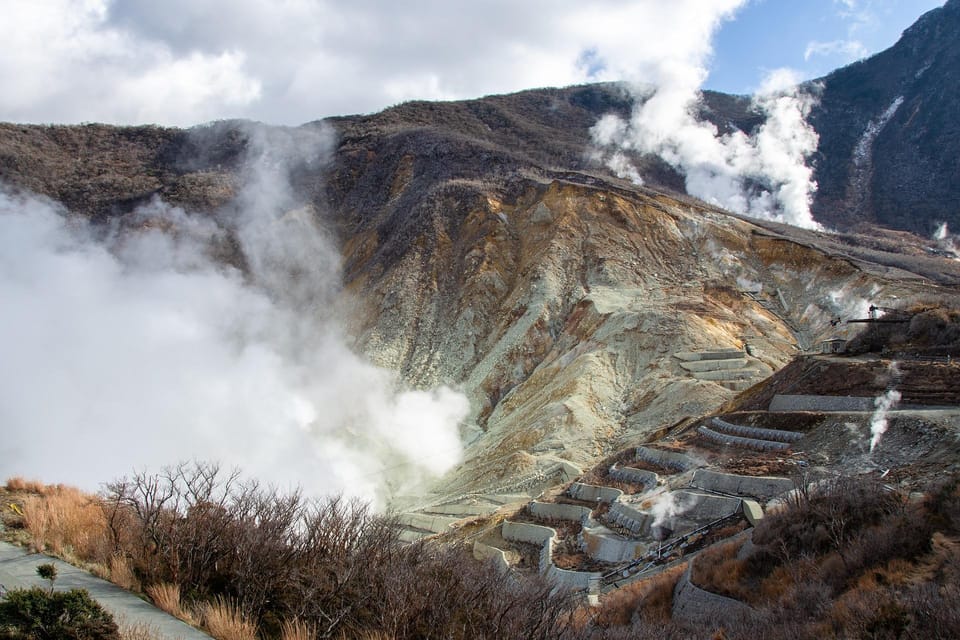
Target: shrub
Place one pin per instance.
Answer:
(35, 614)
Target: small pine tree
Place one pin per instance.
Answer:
(48, 571)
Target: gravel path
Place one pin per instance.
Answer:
(18, 569)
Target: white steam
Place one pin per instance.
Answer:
(139, 350)
(883, 403)
(666, 506)
(762, 174)
(947, 242)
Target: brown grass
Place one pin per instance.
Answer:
(121, 573)
(297, 630)
(719, 571)
(652, 599)
(225, 621)
(138, 631)
(17, 483)
(166, 596)
(66, 522)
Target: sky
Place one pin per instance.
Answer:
(184, 62)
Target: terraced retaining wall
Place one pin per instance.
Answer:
(553, 511)
(593, 493)
(602, 544)
(486, 552)
(757, 486)
(696, 605)
(635, 476)
(666, 459)
(545, 537)
(777, 435)
(820, 403)
(743, 443)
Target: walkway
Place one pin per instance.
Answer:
(18, 569)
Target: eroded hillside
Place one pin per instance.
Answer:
(577, 311)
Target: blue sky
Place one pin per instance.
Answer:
(183, 62)
(769, 34)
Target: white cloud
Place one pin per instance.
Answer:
(185, 61)
(848, 50)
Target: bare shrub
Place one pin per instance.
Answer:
(226, 621)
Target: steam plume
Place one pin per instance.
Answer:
(762, 174)
(883, 403)
(947, 242)
(138, 349)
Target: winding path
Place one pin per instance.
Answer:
(18, 569)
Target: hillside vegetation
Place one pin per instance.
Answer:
(849, 558)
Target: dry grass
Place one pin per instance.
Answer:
(138, 631)
(719, 571)
(225, 621)
(166, 596)
(367, 635)
(17, 483)
(121, 573)
(66, 522)
(652, 599)
(297, 630)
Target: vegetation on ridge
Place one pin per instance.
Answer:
(849, 558)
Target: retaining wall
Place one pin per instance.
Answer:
(636, 476)
(725, 375)
(602, 544)
(545, 537)
(553, 511)
(462, 510)
(743, 443)
(666, 459)
(700, 366)
(760, 486)
(696, 605)
(486, 552)
(592, 493)
(437, 524)
(629, 517)
(589, 580)
(820, 403)
(701, 507)
(711, 354)
(526, 532)
(743, 431)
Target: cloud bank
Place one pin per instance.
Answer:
(134, 348)
(183, 62)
